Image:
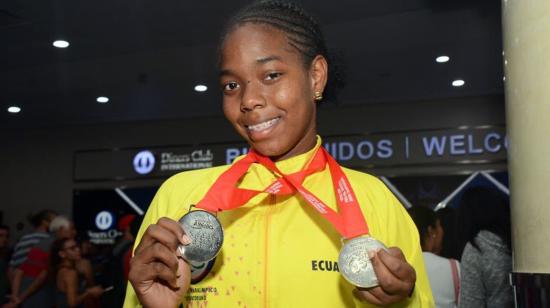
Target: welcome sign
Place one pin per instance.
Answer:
(398, 149)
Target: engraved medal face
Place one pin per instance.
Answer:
(206, 234)
(355, 264)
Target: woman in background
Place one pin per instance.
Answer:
(487, 257)
(443, 273)
(69, 292)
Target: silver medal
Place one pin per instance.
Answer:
(355, 264)
(206, 234)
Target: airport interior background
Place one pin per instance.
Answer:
(134, 99)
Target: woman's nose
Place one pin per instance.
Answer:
(252, 97)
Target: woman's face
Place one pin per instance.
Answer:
(268, 93)
(71, 250)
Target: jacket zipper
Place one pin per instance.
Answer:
(270, 209)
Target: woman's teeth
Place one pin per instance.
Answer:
(264, 125)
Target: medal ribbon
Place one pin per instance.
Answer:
(224, 195)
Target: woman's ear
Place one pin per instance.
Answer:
(319, 74)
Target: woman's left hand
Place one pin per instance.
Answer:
(396, 278)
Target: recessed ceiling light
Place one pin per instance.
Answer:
(442, 59)
(201, 88)
(458, 83)
(14, 109)
(102, 99)
(61, 44)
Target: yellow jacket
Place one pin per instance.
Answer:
(278, 251)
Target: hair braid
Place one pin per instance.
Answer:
(302, 30)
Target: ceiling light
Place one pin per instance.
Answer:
(442, 59)
(102, 99)
(458, 83)
(14, 109)
(61, 44)
(201, 88)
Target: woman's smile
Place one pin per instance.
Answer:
(263, 129)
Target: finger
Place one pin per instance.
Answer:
(153, 271)
(364, 295)
(159, 271)
(159, 233)
(396, 262)
(140, 269)
(387, 280)
(160, 253)
(176, 228)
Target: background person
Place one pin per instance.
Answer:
(70, 290)
(273, 72)
(443, 273)
(29, 263)
(487, 257)
(63, 228)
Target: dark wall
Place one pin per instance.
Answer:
(38, 164)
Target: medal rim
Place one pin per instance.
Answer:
(183, 247)
(342, 266)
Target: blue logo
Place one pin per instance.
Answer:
(144, 162)
(104, 220)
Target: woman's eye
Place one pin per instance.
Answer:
(273, 76)
(230, 86)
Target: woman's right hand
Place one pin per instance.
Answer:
(160, 278)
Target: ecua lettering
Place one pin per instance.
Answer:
(324, 266)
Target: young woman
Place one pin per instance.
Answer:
(280, 248)
(68, 289)
(443, 273)
(484, 215)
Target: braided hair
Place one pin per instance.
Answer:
(302, 31)
(423, 218)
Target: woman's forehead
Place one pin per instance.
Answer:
(256, 40)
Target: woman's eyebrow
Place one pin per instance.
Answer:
(225, 72)
(268, 59)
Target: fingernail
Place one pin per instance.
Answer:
(371, 253)
(185, 240)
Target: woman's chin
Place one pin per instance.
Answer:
(268, 149)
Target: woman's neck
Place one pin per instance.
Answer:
(303, 146)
